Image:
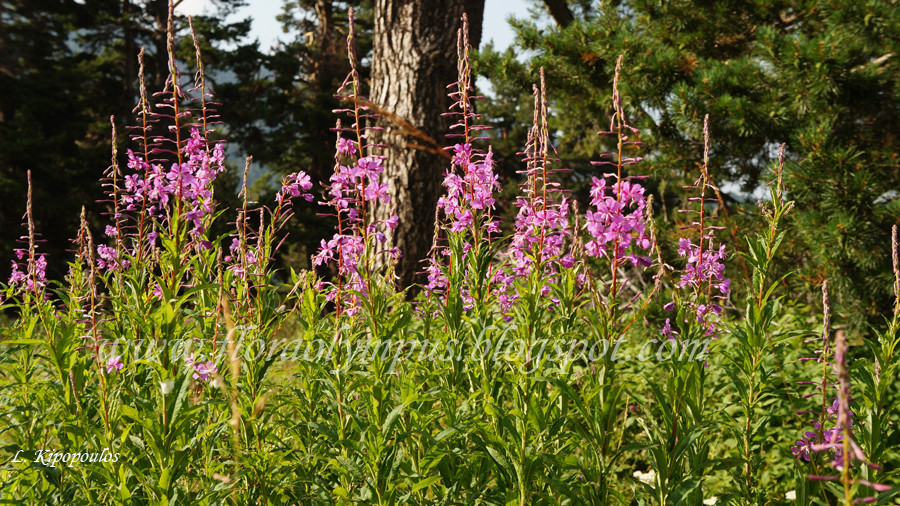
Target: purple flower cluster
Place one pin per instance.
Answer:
(542, 224)
(31, 272)
(352, 192)
(354, 184)
(345, 250)
(114, 364)
(189, 183)
(470, 186)
(202, 370)
(33, 275)
(437, 278)
(823, 440)
(618, 221)
(346, 147)
(251, 263)
(244, 259)
(295, 185)
(539, 240)
(186, 187)
(351, 187)
(704, 275)
(837, 442)
(667, 331)
(470, 183)
(540, 228)
(704, 269)
(703, 266)
(108, 259)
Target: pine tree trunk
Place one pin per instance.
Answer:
(414, 60)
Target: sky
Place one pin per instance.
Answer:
(267, 30)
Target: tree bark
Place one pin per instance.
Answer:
(413, 62)
(560, 11)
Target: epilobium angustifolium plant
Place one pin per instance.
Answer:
(539, 247)
(460, 272)
(702, 283)
(174, 365)
(352, 192)
(832, 436)
(29, 269)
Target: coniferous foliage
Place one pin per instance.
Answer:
(65, 67)
(819, 76)
(46, 123)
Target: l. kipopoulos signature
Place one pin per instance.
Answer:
(51, 458)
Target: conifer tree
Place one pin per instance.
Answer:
(65, 68)
(819, 76)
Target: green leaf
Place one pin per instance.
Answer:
(427, 482)
(391, 419)
(501, 460)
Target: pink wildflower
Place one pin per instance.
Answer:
(114, 364)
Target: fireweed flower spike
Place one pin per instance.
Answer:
(112, 257)
(618, 217)
(352, 186)
(168, 188)
(895, 257)
(703, 274)
(243, 259)
(141, 135)
(465, 211)
(836, 441)
(839, 440)
(188, 184)
(804, 445)
(29, 270)
(617, 222)
(542, 223)
(351, 192)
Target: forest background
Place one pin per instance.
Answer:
(820, 77)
